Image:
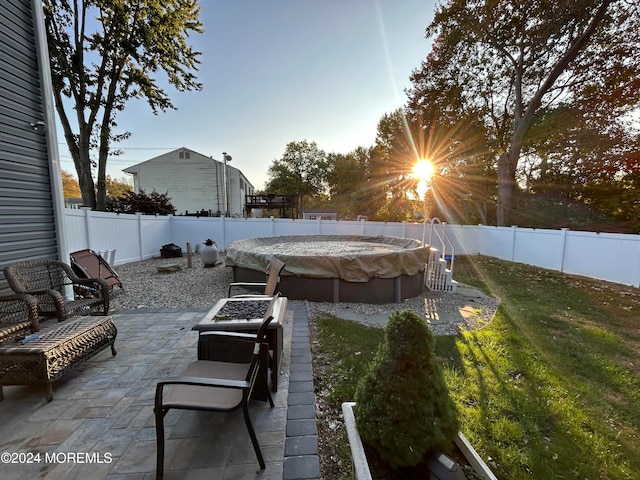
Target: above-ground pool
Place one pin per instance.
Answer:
(335, 268)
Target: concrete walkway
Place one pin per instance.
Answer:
(446, 313)
(100, 424)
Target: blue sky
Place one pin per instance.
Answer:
(280, 71)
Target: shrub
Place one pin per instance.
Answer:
(153, 203)
(403, 409)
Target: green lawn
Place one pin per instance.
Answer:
(549, 389)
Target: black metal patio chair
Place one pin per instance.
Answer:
(217, 386)
(268, 288)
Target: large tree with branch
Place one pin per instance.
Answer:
(105, 53)
(514, 58)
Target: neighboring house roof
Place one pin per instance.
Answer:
(188, 155)
(136, 168)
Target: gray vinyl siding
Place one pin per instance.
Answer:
(27, 223)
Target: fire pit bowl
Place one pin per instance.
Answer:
(335, 268)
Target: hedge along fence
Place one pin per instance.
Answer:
(604, 256)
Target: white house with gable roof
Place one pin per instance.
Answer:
(195, 183)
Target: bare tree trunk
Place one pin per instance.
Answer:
(83, 168)
(507, 164)
(79, 149)
(101, 185)
(506, 184)
(481, 208)
(103, 151)
(85, 181)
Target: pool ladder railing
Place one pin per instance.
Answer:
(439, 271)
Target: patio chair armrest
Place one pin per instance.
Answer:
(205, 382)
(19, 308)
(58, 302)
(252, 295)
(246, 285)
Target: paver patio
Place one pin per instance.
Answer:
(100, 423)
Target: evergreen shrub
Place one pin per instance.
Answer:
(403, 408)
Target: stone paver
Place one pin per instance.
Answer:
(301, 459)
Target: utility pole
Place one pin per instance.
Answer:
(226, 158)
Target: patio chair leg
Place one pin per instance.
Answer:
(160, 443)
(270, 398)
(252, 434)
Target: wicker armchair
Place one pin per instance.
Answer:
(45, 280)
(18, 318)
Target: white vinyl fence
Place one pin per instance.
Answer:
(604, 256)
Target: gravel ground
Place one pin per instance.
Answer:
(199, 287)
(145, 287)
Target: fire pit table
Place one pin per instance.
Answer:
(244, 315)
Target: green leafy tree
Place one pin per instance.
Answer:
(573, 155)
(513, 58)
(453, 136)
(392, 159)
(117, 187)
(349, 182)
(70, 185)
(100, 70)
(302, 170)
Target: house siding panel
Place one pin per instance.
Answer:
(193, 184)
(27, 223)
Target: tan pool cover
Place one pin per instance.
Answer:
(348, 257)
